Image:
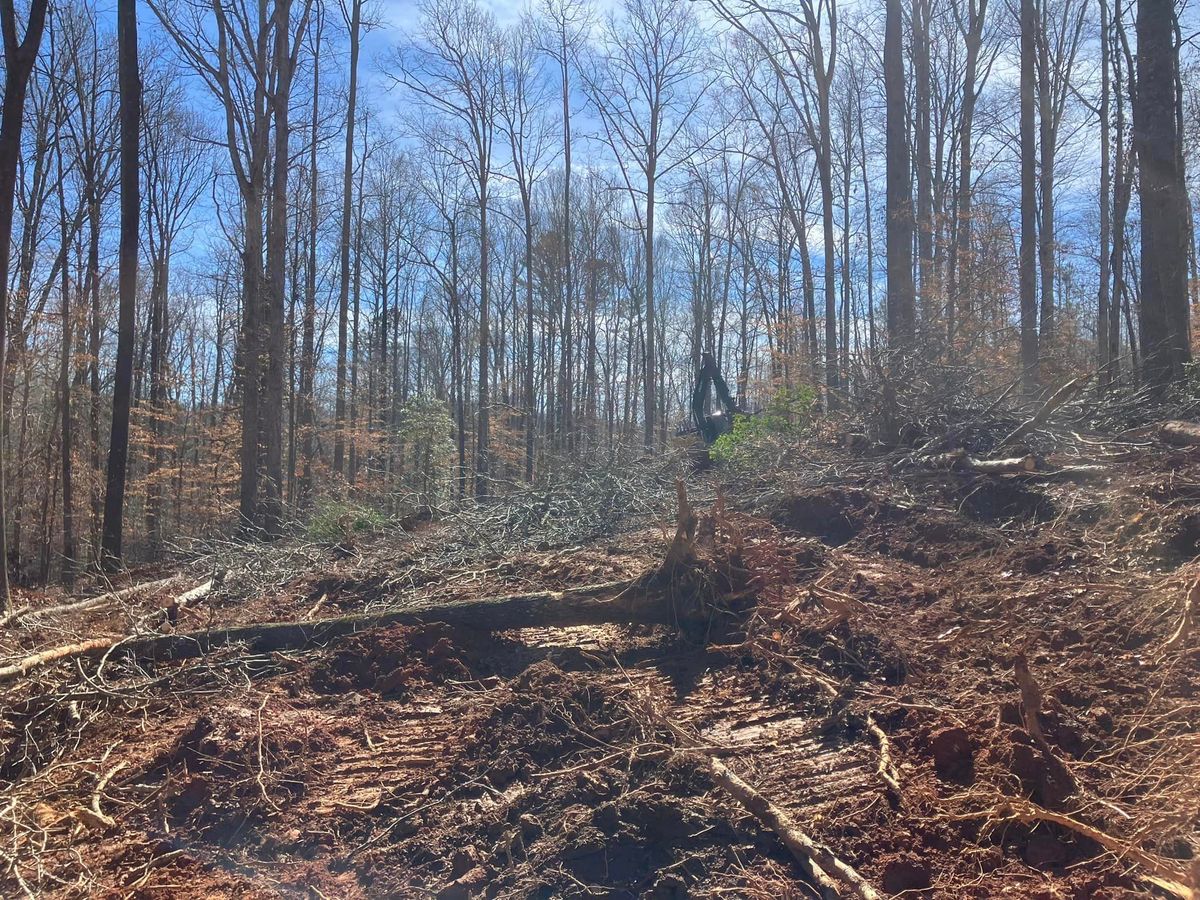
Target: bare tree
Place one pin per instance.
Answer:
(130, 115)
(20, 53)
(646, 85)
(354, 22)
(174, 179)
(454, 67)
(522, 96)
(975, 72)
(1059, 37)
(1029, 213)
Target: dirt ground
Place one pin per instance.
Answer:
(852, 653)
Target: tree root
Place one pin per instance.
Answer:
(1161, 873)
(1179, 638)
(1031, 714)
(888, 773)
(828, 871)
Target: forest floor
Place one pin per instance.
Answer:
(850, 648)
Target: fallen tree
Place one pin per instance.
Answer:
(110, 598)
(962, 461)
(624, 602)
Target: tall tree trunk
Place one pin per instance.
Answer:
(530, 400)
(308, 356)
(339, 438)
(960, 258)
(1122, 190)
(1029, 212)
(650, 405)
(924, 160)
(1164, 326)
(482, 437)
(274, 331)
(825, 171)
(19, 57)
(1103, 361)
(901, 300)
(130, 117)
(1047, 138)
(64, 388)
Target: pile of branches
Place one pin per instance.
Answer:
(581, 501)
(930, 406)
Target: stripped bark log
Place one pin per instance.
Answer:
(55, 654)
(960, 460)
(611, 602)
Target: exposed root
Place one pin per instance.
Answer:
(91, 603)
(888, 773)
(1179, 639)
(1031, 715)
(822, 863)
(1162, 873)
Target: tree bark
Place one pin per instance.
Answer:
(1029, 210)
(901, 309)
(339, 437)
(1165, 331)
(130, 117)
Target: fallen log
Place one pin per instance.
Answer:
(619, 602)
(112, 598)
(962, 461)
(1180, 434)
(828, 871)
(54, 654)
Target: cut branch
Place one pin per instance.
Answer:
(1039, 418)
(1166, 876)
(112, 598)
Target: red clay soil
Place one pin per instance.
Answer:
(843, 619)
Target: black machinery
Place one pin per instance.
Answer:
(711, 425)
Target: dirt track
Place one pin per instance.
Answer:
(434, 762)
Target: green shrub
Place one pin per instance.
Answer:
(337, 522)
(787, 415)
(425, 440)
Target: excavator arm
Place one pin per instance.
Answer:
(720, 421)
